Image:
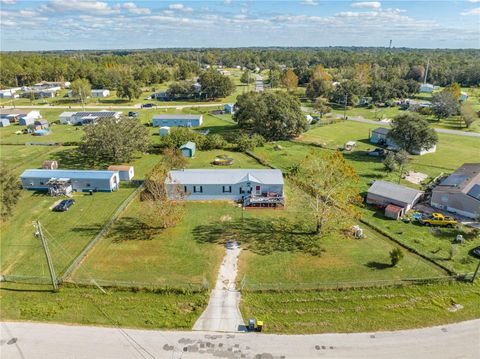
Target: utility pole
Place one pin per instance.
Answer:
(345, 107)
(51, 269)
(476, 272)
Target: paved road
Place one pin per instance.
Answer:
(258, 83)
(137, 106)
(54, 341)
(222, 313)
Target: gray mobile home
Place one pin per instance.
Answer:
(177, 120)
(102, 181)
(254, 187)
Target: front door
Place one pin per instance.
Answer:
(258, 190)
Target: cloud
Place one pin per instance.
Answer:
(8, 2)
(132, 8)
(60, 6)
(472, 12)
(226, 2)
(367, 5)
(474, 1)
(309, 2)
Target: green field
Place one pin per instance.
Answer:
(362, 310)
(126, 308)
(204, 159)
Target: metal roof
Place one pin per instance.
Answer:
(382, 130)
(120, 168)
(80, 174)
(177, 117)
(96, 114)
(224, 176)
(475, 191)
(190, 145)
(394, 191)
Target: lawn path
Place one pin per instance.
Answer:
(222, 313)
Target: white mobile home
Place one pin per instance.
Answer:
(177, 120)
(80, 118)
(254, 187)
(100, 93)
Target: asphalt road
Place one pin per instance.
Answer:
(54, 341)
(222, 313)
(137, 106)
(258, 83)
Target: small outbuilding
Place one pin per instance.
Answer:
(4, 122)
(126, 173)
(382, 193)
(426, 88)
(188, 149)
(26, 121)
(394, 212)
(164, 131)
(229, 108)
(41, 124)
(50, 165)
(463, 96)
(98, 93)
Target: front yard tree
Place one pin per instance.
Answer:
(128, 88)
(444, 104)
(469, 116)
(412, 133)
(9, 191)
(81, 88)
(274, 115)
(321, 106)
(290, 80)
(215, 85)
(318, 88)
(396, 256)
(330, 184)
(246, 77)
(114, 140)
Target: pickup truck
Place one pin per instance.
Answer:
(438, 219)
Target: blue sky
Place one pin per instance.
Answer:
(81, 24)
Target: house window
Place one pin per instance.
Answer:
(41, 183)
(88, 184)
(197, 189)
(227, 189)
(185, 189)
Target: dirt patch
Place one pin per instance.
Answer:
(415, 177)
(225, 218)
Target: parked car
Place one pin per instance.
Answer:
(133, 114)
(377, 152)
(148, 105)
(475, 252)
(64, 205)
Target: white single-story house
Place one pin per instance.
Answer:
(379, 136)
(16, 115)
(382, 193)
(254, 187)
(126, 173)
(9, 93)
(177, 120)
(80, 180)
(100, 93)
(80, 118)
(426, 88)
(460, 192)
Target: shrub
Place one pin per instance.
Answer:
(396, 256)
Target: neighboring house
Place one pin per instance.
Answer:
(161, 96)
(26, 121)
(81, 118)
(459, 192)
(379, 136)
(426, 88)
(40, 124)
(16, 115)
(463, 96)
(254, 187)
(125, 173)
(4, 122)
(9, 93)
(50, 84)
(383, 194)
(103, 181)
(229, 108)
(177, 120)
(165, 130)
(100, 93)
(188, 149)
(50, 165)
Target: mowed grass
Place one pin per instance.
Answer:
(21, 157)
(434, 243)
(362, 310)
(126, 308)
(136, 252)
(68, 232)
(204, 159)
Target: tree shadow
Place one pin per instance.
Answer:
(131, 229)
(378, 265)
(71, 158)
(261, 236)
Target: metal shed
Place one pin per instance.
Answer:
(126, 173)
(383, 193)
(164, 131)
(26, 121)
(188, 149)
(4, 122)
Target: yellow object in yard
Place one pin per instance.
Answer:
(438, 219)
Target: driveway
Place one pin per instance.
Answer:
(222, 313)
(258, 83)
(54, 341)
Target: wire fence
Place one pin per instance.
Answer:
(246, 285)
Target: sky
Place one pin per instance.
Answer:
(81, 24)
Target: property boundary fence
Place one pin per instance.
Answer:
(344, 285)
(77, 261)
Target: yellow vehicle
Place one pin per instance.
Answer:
(438, 219)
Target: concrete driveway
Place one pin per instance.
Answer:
(222, 313)
(54, 341)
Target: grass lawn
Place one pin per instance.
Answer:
(67, 232)
(21, 157)
(76, 306)
(434, 243)
(204, 159)
(362, 310)
(134, 251)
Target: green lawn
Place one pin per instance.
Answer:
(134, 251)
(362, 310)
(126, 308)
(434, 243)
(204, 159)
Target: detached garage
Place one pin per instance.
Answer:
(382, 193)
